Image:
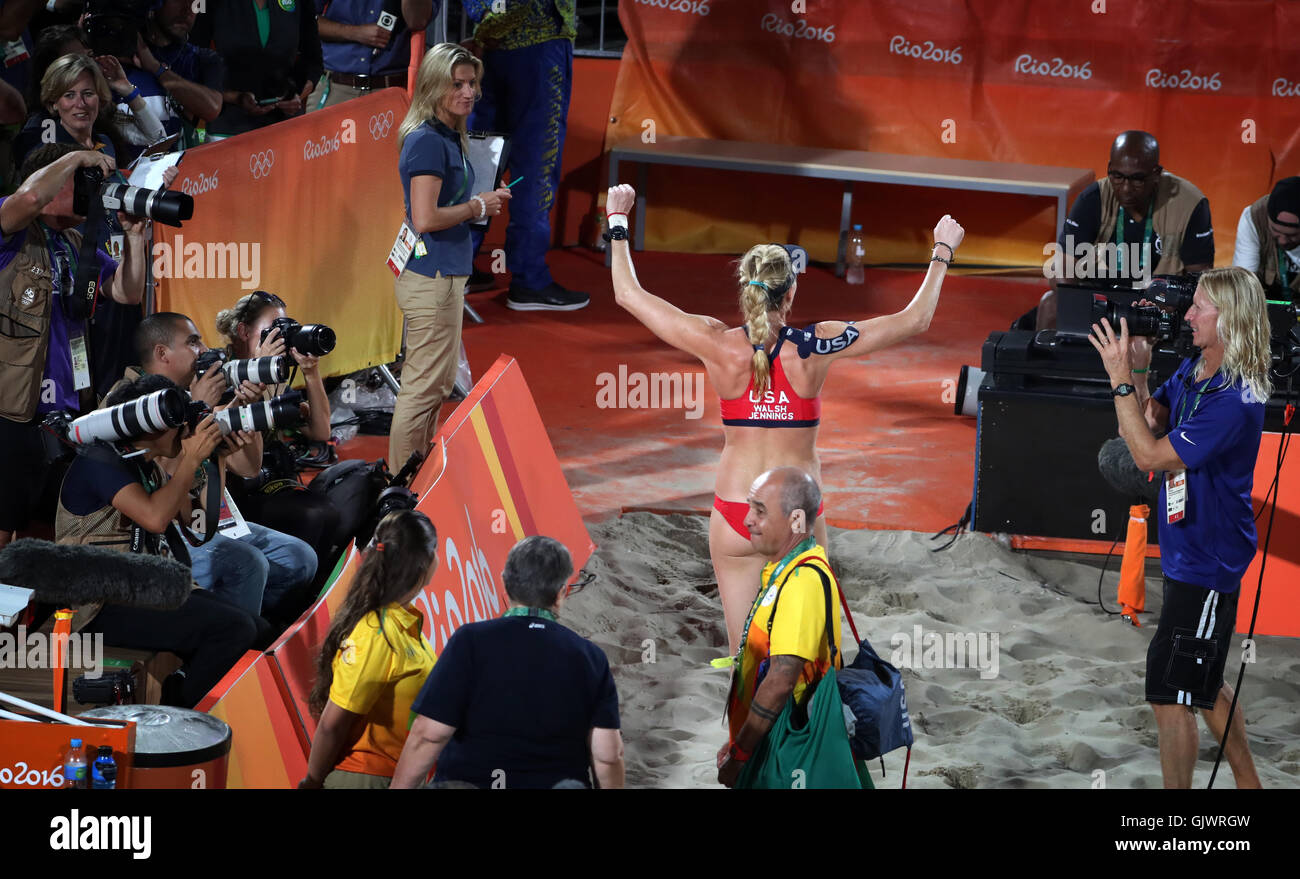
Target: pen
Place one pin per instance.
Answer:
(508, 185)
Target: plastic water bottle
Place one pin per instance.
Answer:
(856, 252)
(103, 772)
(74, 766)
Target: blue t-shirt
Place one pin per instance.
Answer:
(93, 482)
(58, 359)
(1218, 439)
(523, 694)
(433, 148)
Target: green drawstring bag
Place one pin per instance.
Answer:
(816, 754)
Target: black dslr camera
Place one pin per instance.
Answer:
(114, 26)
(315, 340)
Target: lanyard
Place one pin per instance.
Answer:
(804, 545)
(1183, 414)
(1146, 237)
(464, 179)
(530, 612)
(1283, 269)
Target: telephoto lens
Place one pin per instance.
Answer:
(258, 370)
(272, 414)
(159, 411)
(161, 205)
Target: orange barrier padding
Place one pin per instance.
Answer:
(1062, 544)
(1132, 572)
(1279, 605)
(307, 209)
(268, 747)
(1043, 82)
(501, 482)
(31, 754)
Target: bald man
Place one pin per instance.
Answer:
(1157, 217)
(785, 648)
(1268, 238)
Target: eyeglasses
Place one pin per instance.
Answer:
(1136, 179)
(585, 579)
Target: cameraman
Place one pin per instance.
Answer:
(264, 572)
(120, 503)
(1213, 408)
(44, 357)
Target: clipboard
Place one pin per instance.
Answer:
(489, 153)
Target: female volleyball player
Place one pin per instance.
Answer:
(769, 377)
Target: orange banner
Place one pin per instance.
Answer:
(498, 483)
(307, 209)
(1048, 82)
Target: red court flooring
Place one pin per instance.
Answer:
(894, 456)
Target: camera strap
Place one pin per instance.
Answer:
(211, 508)
(80, 300)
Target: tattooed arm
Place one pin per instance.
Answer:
(782, 674)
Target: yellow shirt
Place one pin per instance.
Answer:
(799, 628)
(379, 677)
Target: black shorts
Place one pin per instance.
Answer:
(23, 472)
(1187, 655)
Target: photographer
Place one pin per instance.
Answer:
(281, 502)
(178, 84)
(264, 572)
(1268, 239)
(44, 356)
(1213, 409)
(129, 503)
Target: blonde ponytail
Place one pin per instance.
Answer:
(765, 275)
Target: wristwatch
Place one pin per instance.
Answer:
(1123, 390)
(615, 233)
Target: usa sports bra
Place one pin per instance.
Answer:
(779, 405)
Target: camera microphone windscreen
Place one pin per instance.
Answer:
(69, 575)
(1115, 462)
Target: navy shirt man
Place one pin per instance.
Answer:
(181, 82)
(361, 53)
(1213, 409)
(520, 701)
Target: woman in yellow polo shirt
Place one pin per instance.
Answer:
(374, 660)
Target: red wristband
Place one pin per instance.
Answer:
(616, 213)
(740, 756)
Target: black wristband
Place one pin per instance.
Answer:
(615, 233)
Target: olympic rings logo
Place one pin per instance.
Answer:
(260, 163)
(381, 124)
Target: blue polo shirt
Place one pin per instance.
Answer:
(355, 58)
(523, 694)
(433, 148)
(58, 357)
(1215, 428)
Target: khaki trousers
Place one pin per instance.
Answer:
(433, 308)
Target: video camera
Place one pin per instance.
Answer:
(161, 205)
(113, 26)
(315, 340)
(1079, 307)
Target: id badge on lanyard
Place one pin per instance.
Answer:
(15, 52)
(406, 241)
(1175, 496)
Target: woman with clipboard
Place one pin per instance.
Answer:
(434, 252)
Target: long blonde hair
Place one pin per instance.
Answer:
(434, 82)
(1242, 327)
(765, 275)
